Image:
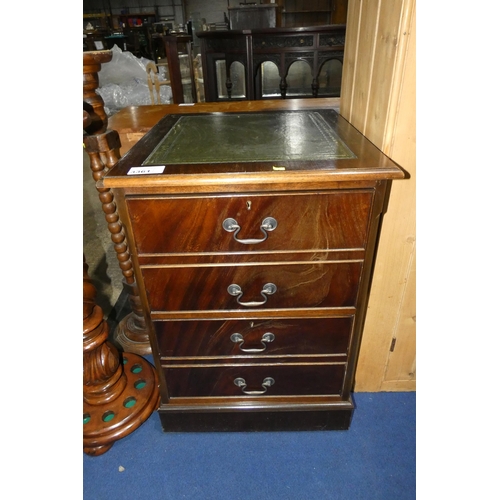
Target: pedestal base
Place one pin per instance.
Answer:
(106, 423)
(130, 339)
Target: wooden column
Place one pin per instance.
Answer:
(92, 102)
(119, 393)
(103, 148)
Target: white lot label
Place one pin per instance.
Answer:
(146, 170)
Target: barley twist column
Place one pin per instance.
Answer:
(131, 333)
(103, 148)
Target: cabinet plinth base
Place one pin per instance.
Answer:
(248, 421)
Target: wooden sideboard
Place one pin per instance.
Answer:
(254, 250)
(281, 46)
(254, 16)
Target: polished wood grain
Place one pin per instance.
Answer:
(326, 221)
(178, 340)
(303, 285)
(247, 258)
(289, 380)
(321, 265)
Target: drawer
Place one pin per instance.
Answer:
(286, 380)
(216, 287)
(302, 222)
(251, 338)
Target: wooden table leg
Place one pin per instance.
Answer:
(119, 393)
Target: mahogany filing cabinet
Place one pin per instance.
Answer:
(253, 237)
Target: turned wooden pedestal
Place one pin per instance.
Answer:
(93, 102)
(119, 392)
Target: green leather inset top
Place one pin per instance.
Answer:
(249, 137)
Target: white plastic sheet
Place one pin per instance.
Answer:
(123, 81)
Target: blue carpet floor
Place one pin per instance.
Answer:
(374, 459)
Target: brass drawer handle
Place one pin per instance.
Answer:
(268, 224)
(267, 337)
(236, 291)
(267, 382)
